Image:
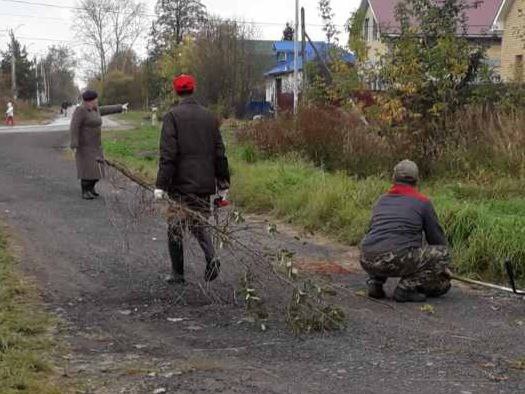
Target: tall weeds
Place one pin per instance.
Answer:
(473, 142)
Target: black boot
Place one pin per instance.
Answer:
(405, 295)
(177, 257)
(213, 269)
(375, 290)
(92, 188)
(86, 193)
(94, 192)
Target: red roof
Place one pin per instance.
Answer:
(480, 15)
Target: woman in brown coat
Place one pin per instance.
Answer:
(86, 141)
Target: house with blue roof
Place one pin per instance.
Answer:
(279, 79)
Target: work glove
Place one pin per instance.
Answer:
(222, 200)
(224, 193)
(160, 195)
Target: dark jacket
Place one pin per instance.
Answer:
(86, 138)
(192, 153)
(399, 220)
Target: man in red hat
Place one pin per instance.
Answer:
(192, 167)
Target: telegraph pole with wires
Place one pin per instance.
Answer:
(13, 66)
(303, 49)
(296, 61)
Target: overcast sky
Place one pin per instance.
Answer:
(41, 26)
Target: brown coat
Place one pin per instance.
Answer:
(86, 138)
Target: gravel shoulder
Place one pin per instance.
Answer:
(100, 268)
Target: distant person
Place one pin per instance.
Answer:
(64, 108)
(10, 114)
(193, 166)
(86, 141)
(394, 245)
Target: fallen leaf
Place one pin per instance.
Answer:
(176, 319)
(428, 309)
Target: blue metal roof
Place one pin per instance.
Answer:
(288, 47)
(286, 67)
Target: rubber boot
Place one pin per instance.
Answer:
(92, 189)
(405, 295)
(86, 193)
(375, 290)
(177, 259)
(213, 269)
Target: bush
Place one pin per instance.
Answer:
(479, 143)
(120, 88)
(329, 137)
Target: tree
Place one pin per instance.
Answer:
(175, 20)
(289, 32)
(327, 15)
(126, 24)
(428, 70)
(125, 61)
(107, 27)
(25, 69)
(222, 57)
(60, 65)
(356, 41)
(225, 64)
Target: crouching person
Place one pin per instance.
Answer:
(193, 165)
(394, 245)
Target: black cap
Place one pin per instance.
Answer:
(89, 95)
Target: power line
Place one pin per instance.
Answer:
(33, 16)
(148, 15)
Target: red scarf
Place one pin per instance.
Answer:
(400, 189)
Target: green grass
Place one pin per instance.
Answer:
(484, 222)
(25, 335)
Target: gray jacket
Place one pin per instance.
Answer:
(399, 220)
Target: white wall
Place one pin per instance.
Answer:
(287, 86)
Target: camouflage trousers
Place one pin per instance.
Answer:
(421, 269)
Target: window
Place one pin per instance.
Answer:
(367, 29)
(375, 32)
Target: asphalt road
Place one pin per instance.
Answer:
(99, 265)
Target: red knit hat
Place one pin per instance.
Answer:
(184, 84)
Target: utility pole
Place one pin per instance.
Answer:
(296, 61)
(37, 87)
(13, 66)
(303, 49)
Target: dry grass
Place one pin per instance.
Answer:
(26, 113)
(26, 343)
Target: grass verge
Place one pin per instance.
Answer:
(25, 335)
(28, 115)
(484, 220)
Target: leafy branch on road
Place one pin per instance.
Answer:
(276, 274)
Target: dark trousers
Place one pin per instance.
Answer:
(179, 221)
(88, 184)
